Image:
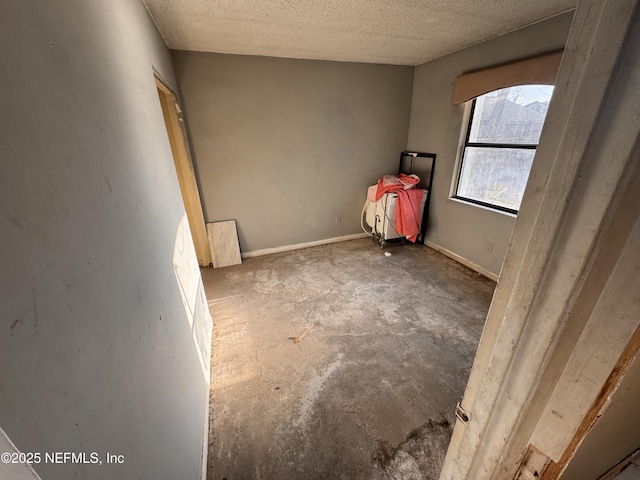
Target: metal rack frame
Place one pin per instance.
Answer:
(411, 162)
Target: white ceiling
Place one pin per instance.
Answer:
(401, 32)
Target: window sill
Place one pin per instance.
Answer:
(483, 207)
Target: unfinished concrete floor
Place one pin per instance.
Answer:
(370, 391)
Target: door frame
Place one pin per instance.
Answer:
(172, 114)
(574, 220)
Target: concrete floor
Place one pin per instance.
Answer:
(370, 391)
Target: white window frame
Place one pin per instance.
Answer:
(464, 143)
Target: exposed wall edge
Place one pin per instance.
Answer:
(298, 246)
(16, 471)
(463, 261)
(620, 466)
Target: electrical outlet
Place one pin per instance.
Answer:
(489, 247)
(338, 219)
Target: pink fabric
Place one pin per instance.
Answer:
(408, 213)
(408, 204)
(391, 183)
(371, 192)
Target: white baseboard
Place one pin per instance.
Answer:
(298, 246)
(482, 271)
(326, 241)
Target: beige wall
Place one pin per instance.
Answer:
(99, 349)
(436, 125)
(285, 146)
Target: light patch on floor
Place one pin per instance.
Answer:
(312, 393)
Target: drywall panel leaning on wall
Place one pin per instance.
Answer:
(223, 241)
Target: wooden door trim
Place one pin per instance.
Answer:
(185, 172)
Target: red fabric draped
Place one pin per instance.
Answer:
(408, 203)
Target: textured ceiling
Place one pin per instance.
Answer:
(401, 32)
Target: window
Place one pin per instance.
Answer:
(502, 136)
